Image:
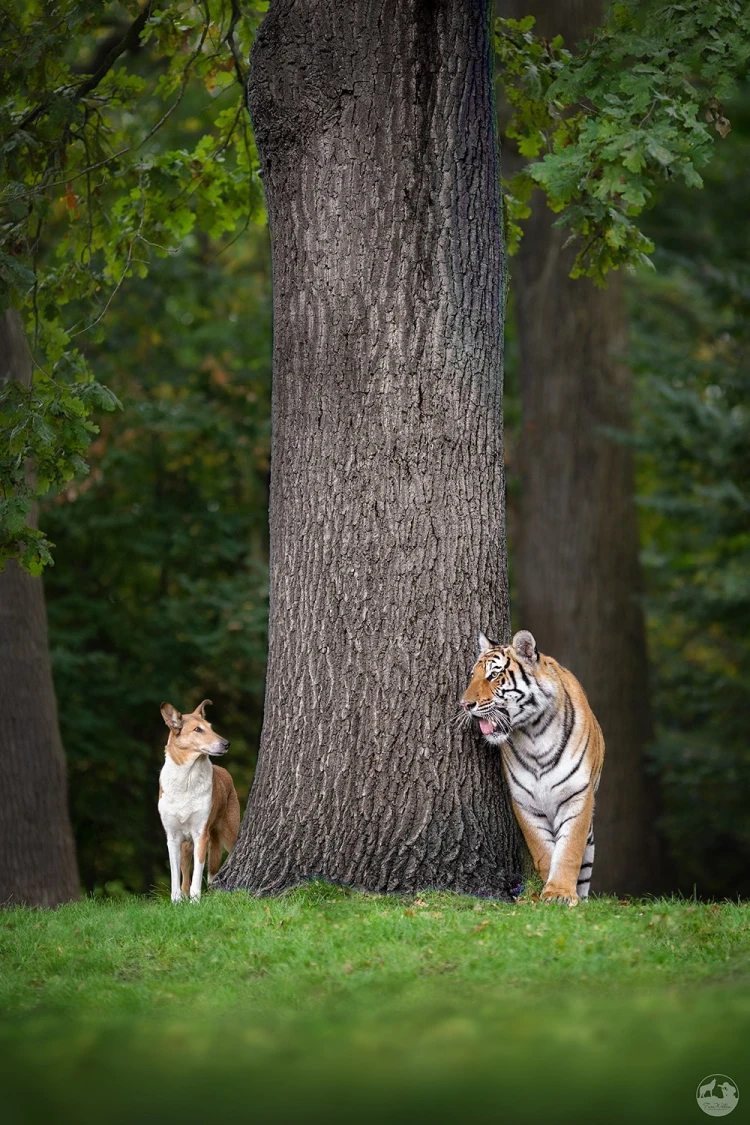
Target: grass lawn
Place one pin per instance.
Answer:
(334, 1006)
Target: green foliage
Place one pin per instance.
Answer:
(324, 1005)
(159, 591)
(636, 108)
(49, 423)
(692, 355)
(90, 197)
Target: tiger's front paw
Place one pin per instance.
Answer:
(553, 892)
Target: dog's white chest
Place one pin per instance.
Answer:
(185, 802)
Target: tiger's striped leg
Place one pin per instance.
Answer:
(538, 836)
(584, 875)
(570, 847)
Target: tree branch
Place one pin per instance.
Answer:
(239, 67)
(128, 42)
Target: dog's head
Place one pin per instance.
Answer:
(191, 736)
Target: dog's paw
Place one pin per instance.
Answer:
(553, 892)
(176, 898)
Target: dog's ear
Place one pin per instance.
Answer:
(172, 717)
(201, 708)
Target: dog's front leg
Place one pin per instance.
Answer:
(200, 843)
(175, 846)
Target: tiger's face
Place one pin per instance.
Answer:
(503, 693)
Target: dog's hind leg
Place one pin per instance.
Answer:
(230, 826)
(215, 852)
(185, 856)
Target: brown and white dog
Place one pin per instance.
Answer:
(198, 804)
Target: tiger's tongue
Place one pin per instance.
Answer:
(486, 726)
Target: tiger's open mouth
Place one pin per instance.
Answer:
(498, 724)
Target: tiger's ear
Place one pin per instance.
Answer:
(484, 644)
(525, 647)
(171, 717)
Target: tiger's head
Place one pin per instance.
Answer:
(504, 691)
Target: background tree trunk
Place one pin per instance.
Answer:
(36, 843)
(576, 547)
(387, 493)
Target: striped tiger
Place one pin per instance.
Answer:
(552, 749)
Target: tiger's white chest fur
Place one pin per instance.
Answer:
(545, 763)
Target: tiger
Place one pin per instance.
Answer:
(552, 749)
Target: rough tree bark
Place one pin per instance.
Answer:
(576, 545)
(36, 843)
(387, 493)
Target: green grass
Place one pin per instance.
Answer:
(328, 1005)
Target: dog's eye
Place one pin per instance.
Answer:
(199, 730)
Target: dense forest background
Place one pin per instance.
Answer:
(690, 337)
(159, 588)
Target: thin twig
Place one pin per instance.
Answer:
(128, 261)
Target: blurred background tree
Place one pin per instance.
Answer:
(574, 529)
(688, 350)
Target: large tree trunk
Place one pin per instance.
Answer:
(576, 546)
(387, 494)
(38, 865)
